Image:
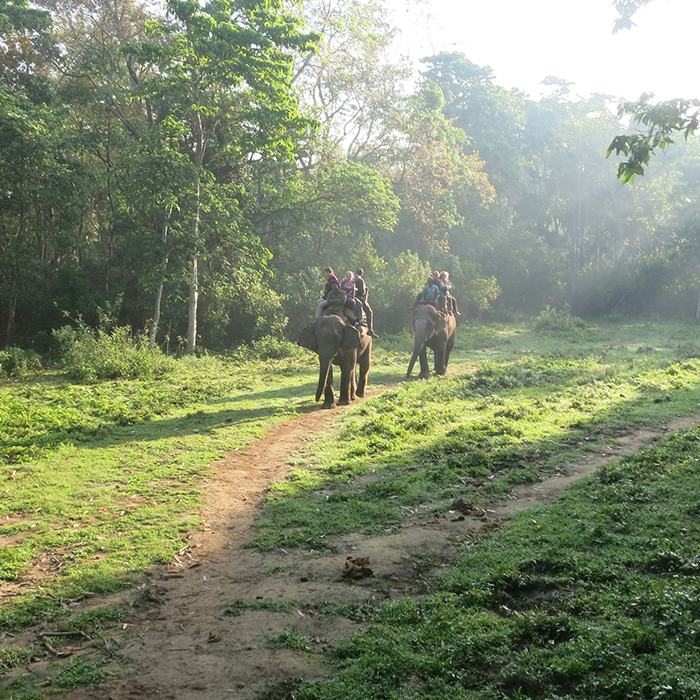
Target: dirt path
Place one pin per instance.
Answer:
(178, 642)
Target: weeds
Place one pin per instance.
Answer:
(17, 362)
(77, 674)
(291, 639)
(552, 319)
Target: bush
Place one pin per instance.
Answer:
(15, 362)
(270, 348)
(91, 355)
(266, 348)
(550, 319)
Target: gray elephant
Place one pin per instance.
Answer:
(339, 343)
(432, 330)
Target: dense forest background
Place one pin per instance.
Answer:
(189, 169)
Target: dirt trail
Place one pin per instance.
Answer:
(178, 643)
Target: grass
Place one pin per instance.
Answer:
(594, 595)
(476, 433)
(103, 481)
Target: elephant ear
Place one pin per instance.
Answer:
(351, 338)
(440, 322)
(307, 338)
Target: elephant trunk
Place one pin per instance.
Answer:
(421, 331)
(323, 372)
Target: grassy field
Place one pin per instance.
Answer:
(598, 598)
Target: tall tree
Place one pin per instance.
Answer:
(353, 85)
(492, 118)
(223, 70)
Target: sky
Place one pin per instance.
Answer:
(524, 41)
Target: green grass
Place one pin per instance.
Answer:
(478, 432)
(291, 639)
(102, 481)
(592, 596)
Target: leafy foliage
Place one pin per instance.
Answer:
(550, 319)
(95, 355)
(16, 362)
(661, 121)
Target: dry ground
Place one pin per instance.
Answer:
(177, 643)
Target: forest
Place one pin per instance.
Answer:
(187, 170)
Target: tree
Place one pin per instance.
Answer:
(26, 48)
(432, 173)
(223, 71)
(491, 117)
(660, 122)
(40, 198)
(351, 84)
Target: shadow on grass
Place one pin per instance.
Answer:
(371, 486)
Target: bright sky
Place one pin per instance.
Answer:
(524, 41)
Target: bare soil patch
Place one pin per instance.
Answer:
(178, 643)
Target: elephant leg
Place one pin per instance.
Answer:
(418, 353)
(448, 349)
(329, 395)
(439, 352)
(348, 362)
(424, 367)
(414, 357)
(363, 365)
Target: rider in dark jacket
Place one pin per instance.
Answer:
(361, 293)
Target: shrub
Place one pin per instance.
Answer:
(270, 348)
(15, 362)
(551, 319)
(93, 355)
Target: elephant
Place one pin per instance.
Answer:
(338, 343)
(433, 330)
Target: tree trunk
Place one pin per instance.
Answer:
(11, 315)
(194, 270)
(156, 311)
(159, 294)
(192, 312)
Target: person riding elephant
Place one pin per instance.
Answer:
(337, 342)
(331, 279)
(430, 294)
(362, 293)
(450, 300)
(433, 330)
(347, 284)
(337, 302)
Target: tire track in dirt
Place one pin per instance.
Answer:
(179, 644)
